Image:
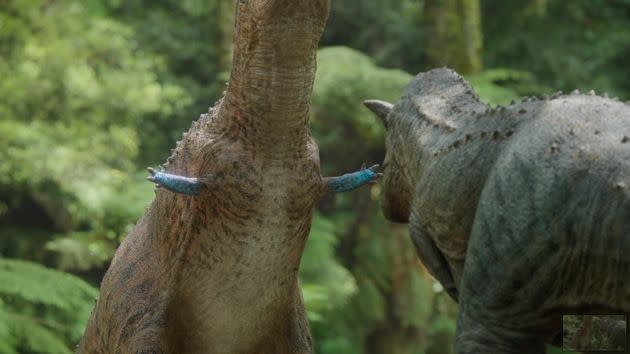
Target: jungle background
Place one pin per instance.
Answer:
(93, 91)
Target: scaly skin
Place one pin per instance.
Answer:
(521, 212)
(213, 267)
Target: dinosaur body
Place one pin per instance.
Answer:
(582, 338)
(212, 266)
(521, 212)
(616, 334)
(217, 272)
(613, 330)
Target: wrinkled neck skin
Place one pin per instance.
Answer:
(217, 271)
(273, 70)
(239, 289)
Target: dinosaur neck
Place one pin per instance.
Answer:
(267, 102)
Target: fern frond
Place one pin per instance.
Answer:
(37, 284)
(8, 342)
(42, 310)
(28, 334)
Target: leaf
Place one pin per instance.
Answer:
(60, 300)
(33, 337)
(37, 284)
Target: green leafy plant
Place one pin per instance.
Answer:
(75, 89)
(346, 77)
(41, 310)
(326, 284)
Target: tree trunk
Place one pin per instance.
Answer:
(453, 36)
(217, 272)
(582, 338)
(398, 333)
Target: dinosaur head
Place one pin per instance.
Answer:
(433, 105)
(396, 187)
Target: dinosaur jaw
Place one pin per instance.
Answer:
(395, 199)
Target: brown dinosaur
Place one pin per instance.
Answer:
(582, 338)
(214, 267)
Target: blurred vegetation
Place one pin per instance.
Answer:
(41, 310)
(93, 91)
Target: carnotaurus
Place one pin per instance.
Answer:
(521, 212)
(616, 333)
(213, 268)
(613, 330)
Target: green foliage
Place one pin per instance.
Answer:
(387, 262)
(384, 30)
(500, 86)
(442, 324)
(581, 44)
(41, 310)
(344, 79)
(189, 35)
(326, 284)
(76, 89)
(80, 251)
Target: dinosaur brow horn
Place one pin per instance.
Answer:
(380, 108)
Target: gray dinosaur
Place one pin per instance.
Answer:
(521, 212)
(615, 332)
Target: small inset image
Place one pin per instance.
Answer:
(594, 333)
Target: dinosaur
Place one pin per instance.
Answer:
(521, 212)
(615, 331)
(582, 338)
(212, 266)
